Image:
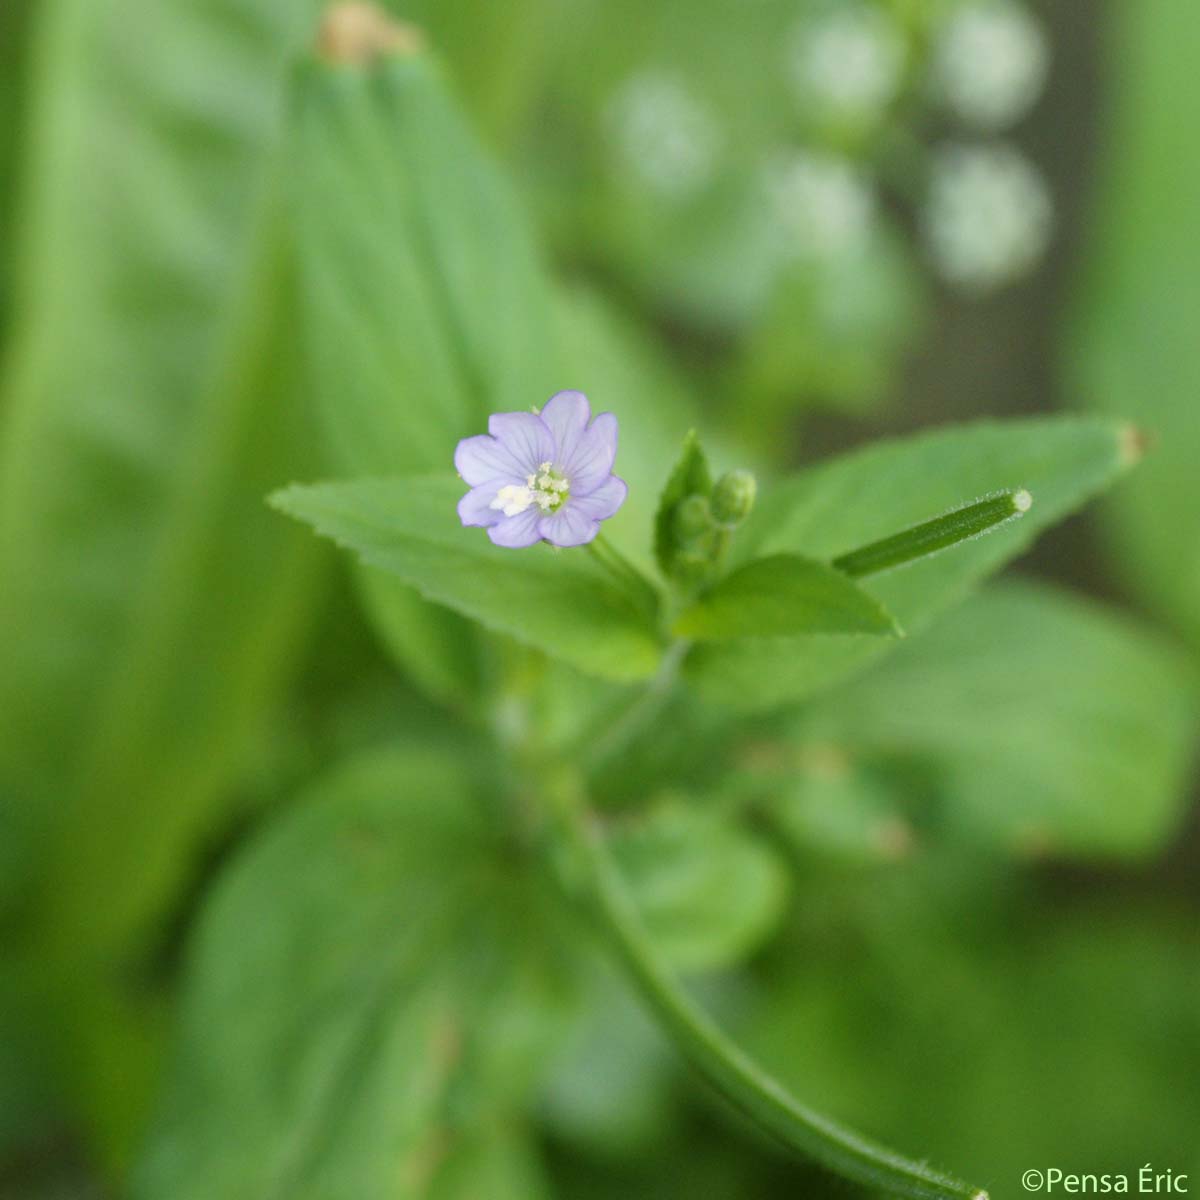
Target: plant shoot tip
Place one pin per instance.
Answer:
(358, 33)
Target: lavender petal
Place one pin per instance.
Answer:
(481, 459)
(475, 508)
(603, 502)
(566, 415)
(525, 436)
(593, 456)
(570, 526)
(514, 533)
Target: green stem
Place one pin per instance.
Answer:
(643, 592)
(716, 1058)
(641, 712)
(931, 536)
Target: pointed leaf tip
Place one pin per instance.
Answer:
(357, 33)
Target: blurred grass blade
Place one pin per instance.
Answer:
(148, 604)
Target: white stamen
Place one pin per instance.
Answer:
(545, 487)
(513, 500)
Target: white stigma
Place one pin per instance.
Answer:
(546, 487)
(512, 500)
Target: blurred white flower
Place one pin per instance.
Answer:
(988, 217)
(821, 205)
(849, 62)
(990, 62)
(663, 136)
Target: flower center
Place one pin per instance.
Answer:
(547, 487)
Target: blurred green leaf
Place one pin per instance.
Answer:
(367, 996)
(1049, 724)
(1134, 349)
(707, 891)
(14, 58)
(558, 601)
(149, 604)
(609, 1088)
(831, 336)
(838, 505)
(1019, 1033)
(780, 596)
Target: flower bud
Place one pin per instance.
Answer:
(733, 497)
(693, 518)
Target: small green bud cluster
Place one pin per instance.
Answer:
(733, 497)
(703, 523)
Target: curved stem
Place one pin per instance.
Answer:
(715, 1057)
(639, 588)
(641, 712)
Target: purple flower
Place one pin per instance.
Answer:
(542, 476)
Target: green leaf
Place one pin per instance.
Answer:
(1133, 349)
(708, 892)
(149, 605)
(367, 993)
(690, 476)
(783, 595)
(837, 506)
(557, 601)
(1045, 723)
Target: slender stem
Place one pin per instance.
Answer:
(643, 709)
(931, 536)
(716, 1058)
(625, 573)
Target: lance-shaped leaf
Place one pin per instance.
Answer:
(783, 595)
(559, 602)
(852, 501)
(424, 304)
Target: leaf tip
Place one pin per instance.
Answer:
(358, 33)
(1133, 444)
(283, 499)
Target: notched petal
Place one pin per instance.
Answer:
(566, 415)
